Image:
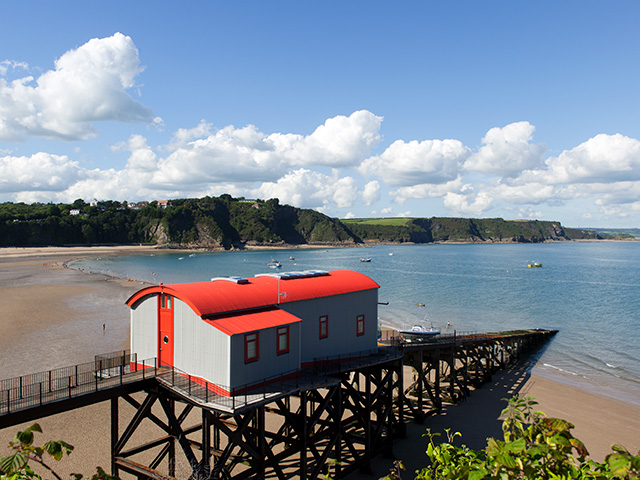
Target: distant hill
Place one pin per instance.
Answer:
(227, 222)
(444, 229)
(622, 233)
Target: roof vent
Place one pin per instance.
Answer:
(293, 275)
(238, 280)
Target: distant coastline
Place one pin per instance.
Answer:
(235, 223)
(90, 250)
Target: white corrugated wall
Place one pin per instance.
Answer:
(199, 349)
(269, 364)
(144, 328)
(342, 311)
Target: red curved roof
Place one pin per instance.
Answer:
(220, 296)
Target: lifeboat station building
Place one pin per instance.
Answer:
(233, 332)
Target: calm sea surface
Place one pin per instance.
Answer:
(589, 291)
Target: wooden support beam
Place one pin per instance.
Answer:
(205, 465)
(140, 414)
(168, 408)
(114, 435)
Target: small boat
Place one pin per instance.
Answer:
(420, 304)
(292, 258)
(418, 333)
(534, 264)
(365, 259)
(274, 264)
(192, 255)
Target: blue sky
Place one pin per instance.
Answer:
(473, 109)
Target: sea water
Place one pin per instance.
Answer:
(590, 292)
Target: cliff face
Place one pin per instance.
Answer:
(488, 230)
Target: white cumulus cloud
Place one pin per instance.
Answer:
(307, 189)
(371, 192)
(340, 142)
(88, 85)
(507, 151)
(603, 158)
(41, 172)
(411, 163)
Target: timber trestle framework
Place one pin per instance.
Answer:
(337, 416)
(336, 419)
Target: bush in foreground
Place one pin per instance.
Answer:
(16, 466)
(534, 447)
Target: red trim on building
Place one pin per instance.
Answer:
(360, 325)
(239, 391)
(332, 361)
(251, 347)
(324, 326)
(282, 340)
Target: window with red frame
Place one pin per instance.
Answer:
(251, 347)
(324, 326)
(283, 340)
(360, 325)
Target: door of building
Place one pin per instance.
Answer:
(165, 328)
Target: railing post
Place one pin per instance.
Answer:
(189, 384)
(173, 376)
(76, 375)
(8, 400)
(143, 369)
(206, 392)
(69, 377)
(49, 381)
(40, 393)
(20, 385)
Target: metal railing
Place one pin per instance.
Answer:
(338, 363)
(440, 339)
(106, 371)
(242, 395)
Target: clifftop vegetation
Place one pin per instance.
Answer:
(229, 222)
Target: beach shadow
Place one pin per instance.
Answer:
(477, 418)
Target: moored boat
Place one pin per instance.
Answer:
(534, 264)
(418, 333)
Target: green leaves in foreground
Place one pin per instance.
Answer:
(533, 447)
(16, 466)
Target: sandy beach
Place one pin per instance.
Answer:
(54, 316)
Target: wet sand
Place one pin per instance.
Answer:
(53, 316)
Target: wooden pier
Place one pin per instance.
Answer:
(338, 415)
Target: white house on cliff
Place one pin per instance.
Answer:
(235, 331)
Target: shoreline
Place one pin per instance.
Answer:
(36, 286)
(12, 252)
